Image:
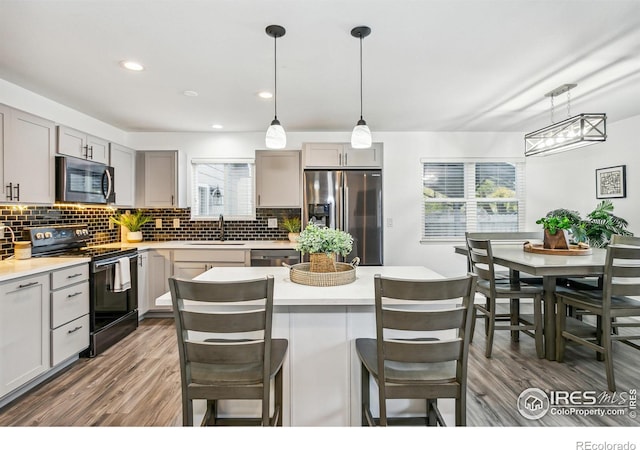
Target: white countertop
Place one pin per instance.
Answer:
(288, 293)
(203, 245)
(15, 268)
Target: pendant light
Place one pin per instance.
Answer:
(276, 137)
(361, 136)
(573, 132)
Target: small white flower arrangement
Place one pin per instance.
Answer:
(315, 239)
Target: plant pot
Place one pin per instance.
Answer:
(293, 237)
(559, 240)
(134, 236)
(322, 262)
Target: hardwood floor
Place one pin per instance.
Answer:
(137, 384)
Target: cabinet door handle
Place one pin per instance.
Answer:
(340, 159)
(22, 286)
(75, 329)
(74, 275)
(258, 199)
(75, 294)
(86, 151)
(17, 196)
(9, 188)
(91, 148)
(172, 200)
(346, 159)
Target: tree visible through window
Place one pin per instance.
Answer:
(471, 196)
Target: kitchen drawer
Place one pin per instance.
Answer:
(65, 277)
(69, 303)
(211, 255)
(69, 340)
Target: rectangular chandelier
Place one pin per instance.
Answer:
(574, 132)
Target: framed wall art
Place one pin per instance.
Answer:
(611, 182)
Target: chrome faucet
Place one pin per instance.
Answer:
(221, 227)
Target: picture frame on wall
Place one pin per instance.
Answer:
(611, 182)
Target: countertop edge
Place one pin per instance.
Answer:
(11, 269)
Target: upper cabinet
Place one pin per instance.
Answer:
(161, 179)
(318, 155)
(81, 145)
(27, 148)
(123, 161)
(278, 179)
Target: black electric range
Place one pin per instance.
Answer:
(113, 305)
(70, 240)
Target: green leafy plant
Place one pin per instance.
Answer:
(553, 223)
(292, 224)
(315, 239)
(133, 222)
(597, 228)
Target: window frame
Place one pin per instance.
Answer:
(469, 198)
(196, 184)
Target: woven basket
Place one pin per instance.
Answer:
(344, 274)
(322, 262)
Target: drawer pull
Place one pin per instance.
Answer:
(75, 294)
(75, 329)
(33, 283)
(74, 275)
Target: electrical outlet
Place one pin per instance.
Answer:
(389, 222)
(176, 223)
(111, 225)
(158, 223)
(272, 222)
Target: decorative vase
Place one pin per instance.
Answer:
(559, 240)
(293, 237)
(322, 262)
(134, 236)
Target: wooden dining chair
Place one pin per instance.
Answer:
(405, 360)
(491, 287)
(615, 301)
(225, 347)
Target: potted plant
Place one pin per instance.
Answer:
(555, 231)
(598, 227)
(133, 223)
(322, 244)
(292, 225)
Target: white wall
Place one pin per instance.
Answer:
(20, 98)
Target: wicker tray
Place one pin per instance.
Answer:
(345, 273)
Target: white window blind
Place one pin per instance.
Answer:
(460, 196)
(224, 188)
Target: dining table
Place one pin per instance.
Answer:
(549, 267)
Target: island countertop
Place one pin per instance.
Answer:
(288, 293)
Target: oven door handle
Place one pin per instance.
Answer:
(103, 265)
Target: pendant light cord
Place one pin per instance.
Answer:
(360, 77)
(275, 77)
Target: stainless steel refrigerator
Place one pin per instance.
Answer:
(349, 200)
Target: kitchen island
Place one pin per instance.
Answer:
(322, 370)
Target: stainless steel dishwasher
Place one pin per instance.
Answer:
(274, 257)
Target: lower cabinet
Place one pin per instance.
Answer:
(24, 331)
(69, 312)
(191, 263)
(159, 271)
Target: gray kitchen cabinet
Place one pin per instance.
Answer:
(82, 145)
(24, 331)
(322, 154)
(69, 312)
(123, 160)
(161, 179)
(143, 283)
(159, 271)
(27, 146)
(191, 263)
(278, 179)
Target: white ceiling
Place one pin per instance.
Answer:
(432, 65)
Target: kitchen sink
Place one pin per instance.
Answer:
(215, 243)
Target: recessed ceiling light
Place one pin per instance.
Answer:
(132, 65)
(265, 94)
(217, 126)
(190, 93)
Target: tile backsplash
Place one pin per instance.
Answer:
(97, 219)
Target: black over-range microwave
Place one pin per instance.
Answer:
(82, 181)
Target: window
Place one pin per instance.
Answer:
(223, 187)
(464, 196)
